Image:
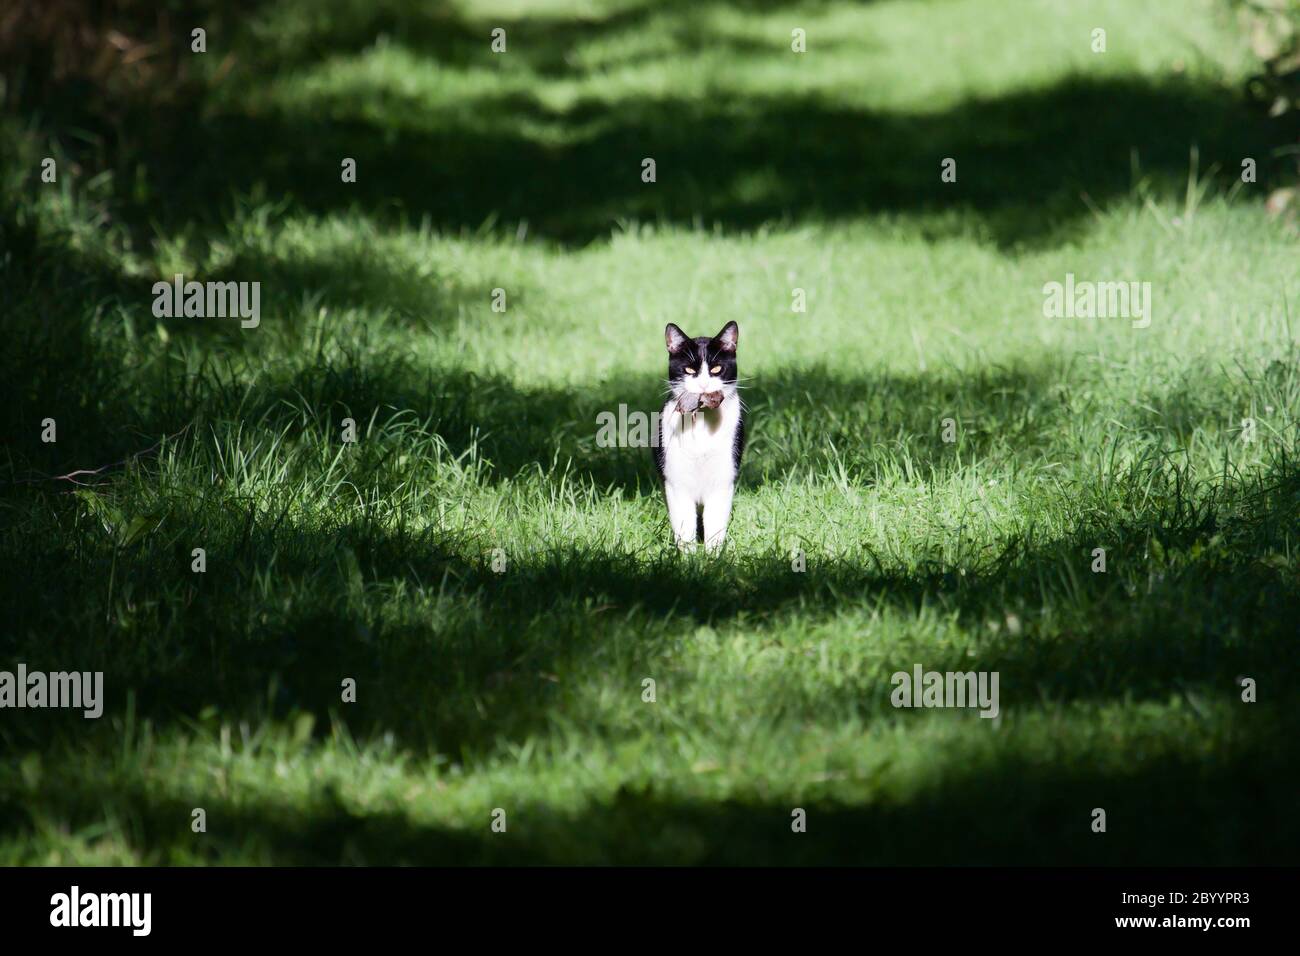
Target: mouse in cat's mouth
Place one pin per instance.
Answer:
(692, 402)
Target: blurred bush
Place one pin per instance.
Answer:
(1273, 27)
(94, 56)
(1274, 30)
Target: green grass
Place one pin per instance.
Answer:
(523, 689)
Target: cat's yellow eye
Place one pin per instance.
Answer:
(690, 371)
(716, 369)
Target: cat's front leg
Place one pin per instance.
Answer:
(681, 515)
(717, 512)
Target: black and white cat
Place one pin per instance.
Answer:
(701, 435)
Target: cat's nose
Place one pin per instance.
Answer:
(711, 399)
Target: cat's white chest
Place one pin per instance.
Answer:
(699, 449)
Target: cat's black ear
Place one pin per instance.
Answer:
(675, 338)
(728, 337)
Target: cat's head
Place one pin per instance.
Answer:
(705, 365)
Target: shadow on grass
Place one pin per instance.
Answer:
(543, 43)
(1028, 162)
(1197, 595)
(1025, 160)
(74, 322)
(853, 425)
(112, 398)
(1012, 812)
